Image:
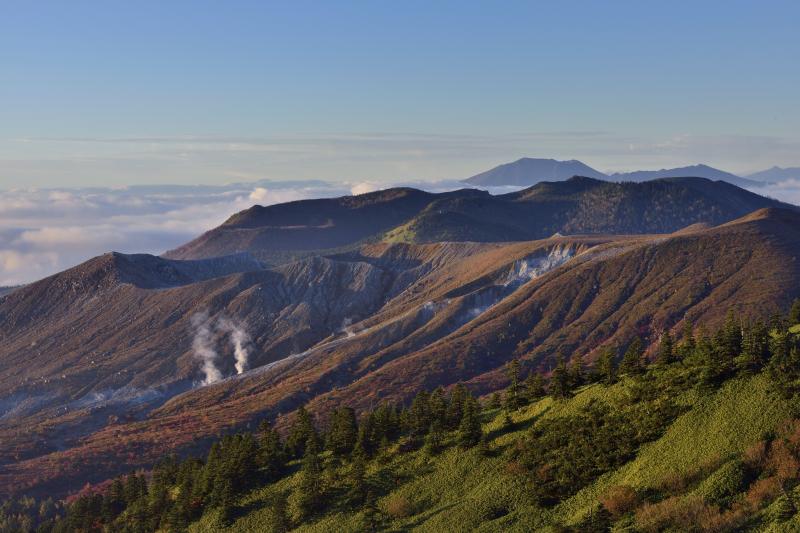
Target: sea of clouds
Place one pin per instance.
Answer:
(44, 231)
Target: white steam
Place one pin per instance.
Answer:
(239, 340)
(204, 346)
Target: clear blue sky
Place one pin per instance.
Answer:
(170, 91)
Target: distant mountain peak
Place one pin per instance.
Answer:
(528, 171)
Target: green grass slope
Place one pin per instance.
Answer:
(465, 490)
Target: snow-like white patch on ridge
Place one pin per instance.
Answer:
(532, 267)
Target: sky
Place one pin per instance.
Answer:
(264, 101)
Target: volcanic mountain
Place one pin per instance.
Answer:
(109, 365)
(286, 232)
(530, 171)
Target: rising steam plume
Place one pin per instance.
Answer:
(204, 346)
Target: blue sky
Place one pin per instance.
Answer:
(113, 93)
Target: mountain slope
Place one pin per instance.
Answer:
(286, 232)
(378, 322)
(530, 171)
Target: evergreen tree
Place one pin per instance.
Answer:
(307, 495)
(437, 406)
(559, 380)
(455, 409)
(434, 440)
(666, 353)
(794, 313)
(688, 343)
(495, 402)
(419, 419)
(357, 485)
(343, 433)
(301, 432)
(633, 360)
(513, 398)
(280, 518)
(606, 366)
(576, 377)
(469, 430)
(534, 386)
(731, 337)
(272, 456)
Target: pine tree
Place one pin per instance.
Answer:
(688, 343)
(437, 406)
(434, 440)
(534, 386)
(301, 431)
(512, 398)
(731, 337)
(469, 430)
(666, 354)
(495, 402)
(794, 313)
(280, 518)
(576, 377)
(606, 367)
(559, 380)
(419, 418)
(307, 495)
(633, 360)
(455, 409)
(272, 456)
(357, 485)
(343, 433)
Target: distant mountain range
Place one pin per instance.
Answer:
(776, 174)
(530, 171)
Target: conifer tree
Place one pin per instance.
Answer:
(534, 386)
(559, 380)
(688, 343)
(513, 397)
(495, 402)
(272, 456)
(307, 495)
(666, 353)
(301, 431)
(280, 518)
(357, 485)
(633, 360)
(434, 440)
(469, 430)
(343, 433)
(794, 313)
(575, 371)
(606, 367)
(456, 406)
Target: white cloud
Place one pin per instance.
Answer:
(365, 187)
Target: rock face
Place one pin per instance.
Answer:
(102, 366)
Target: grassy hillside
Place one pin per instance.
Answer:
(465, 490)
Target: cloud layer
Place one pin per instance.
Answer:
(45, 231)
